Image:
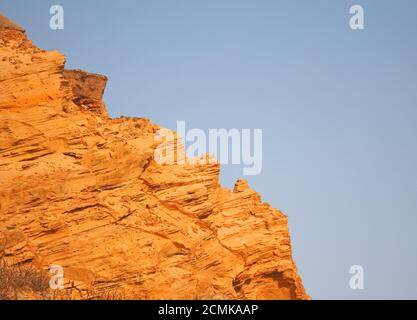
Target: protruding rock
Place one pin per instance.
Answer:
(241, 185)
(88, 89)
(6, 23)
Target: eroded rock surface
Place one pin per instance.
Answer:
(82, 190)
(87, 89)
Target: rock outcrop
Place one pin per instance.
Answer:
(87, 89)
(83, 191)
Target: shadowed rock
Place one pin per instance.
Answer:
(6, 23)
(88, 89)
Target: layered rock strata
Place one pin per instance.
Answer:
(83, 191)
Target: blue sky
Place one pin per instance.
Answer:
(338, 109)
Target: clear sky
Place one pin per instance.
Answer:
(338, 109)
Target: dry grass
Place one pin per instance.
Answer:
(25, 282)
(74, 294)
(19, 280)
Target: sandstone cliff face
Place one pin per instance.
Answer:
(82, 190)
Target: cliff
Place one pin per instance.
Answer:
(83, 191)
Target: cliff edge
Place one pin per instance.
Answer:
(83, 191)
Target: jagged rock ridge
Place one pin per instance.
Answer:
(82, 190)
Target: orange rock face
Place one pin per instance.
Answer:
(83, 191)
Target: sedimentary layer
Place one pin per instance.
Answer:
(82, 190)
